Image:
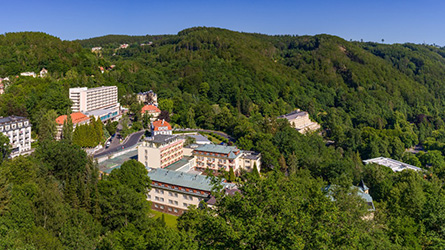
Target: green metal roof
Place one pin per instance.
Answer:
(218, 149)
(195, 181)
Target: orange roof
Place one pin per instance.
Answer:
(150, 109)
(77, 117)
(161, 124)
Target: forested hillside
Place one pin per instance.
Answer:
(371, 99)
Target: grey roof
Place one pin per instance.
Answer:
(182, 179)
(10, 119)
(252, 155)
(293, 115)
(220, 149)
(200, 139)
(396, 166)
(162, 139)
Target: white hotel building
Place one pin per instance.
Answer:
(18, 130)
(99, 102)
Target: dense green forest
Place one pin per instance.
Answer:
(371, 99)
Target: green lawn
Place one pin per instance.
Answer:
(170, 220)
(211, 138)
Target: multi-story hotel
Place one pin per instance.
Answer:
(161, 151)
(77, 118)
(99, 102)
(220, 157)
(173, 191)
(18, 129)
(85, 99)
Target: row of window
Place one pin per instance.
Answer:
(14, 126)
(169, 208)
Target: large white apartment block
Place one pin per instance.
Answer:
(85, 100)
(222, 158)
(18, 130)
(161, 151)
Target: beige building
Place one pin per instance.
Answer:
(300, 120)
(148, 97)
(174, 191)
(161, 151)
(220, 157)
(18, 130)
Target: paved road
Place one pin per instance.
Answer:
(130, 141)
(228, 137)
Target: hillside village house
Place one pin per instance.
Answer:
(18, 130)
(220, 157)
(28, 74)
(160, 127)
(78, 119)
(151, 110)
(300, 121)
(148, 97)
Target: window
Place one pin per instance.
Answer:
(170, 193)
(161, 199)
(157, 190)
(170, 202)
(169, 209)
(156, 206)
(156, 198)
(176, 194)
(184, 204)
(176, 203)
(185, 196)
(176, 210)
(162, 207)
(191, 198)
(148, 196)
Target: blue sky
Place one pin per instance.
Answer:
(396, 21)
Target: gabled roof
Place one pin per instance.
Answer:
(150, 109)
(77, 117)
(161, 123)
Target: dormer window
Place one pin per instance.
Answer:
(13, 126)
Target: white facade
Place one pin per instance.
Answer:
(18, 130)
(85, 99)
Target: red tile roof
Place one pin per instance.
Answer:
(150, 109)
(77, 117)
(161, 123)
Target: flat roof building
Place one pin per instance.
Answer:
(100, 102)
(160, 151)
(396, 166)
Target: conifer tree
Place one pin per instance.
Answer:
(67, 130)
